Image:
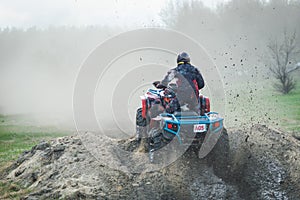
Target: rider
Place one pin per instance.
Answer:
(189, 81)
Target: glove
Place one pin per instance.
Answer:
(160, 86)
(156, 83)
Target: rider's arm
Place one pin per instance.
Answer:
(199, 79)
(168, 78)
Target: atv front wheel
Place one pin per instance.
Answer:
(141, 123)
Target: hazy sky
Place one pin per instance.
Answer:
(39, 13)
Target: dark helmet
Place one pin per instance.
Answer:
(183, 57)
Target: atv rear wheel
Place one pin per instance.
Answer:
(219, 156)
(141, 123)
(158, 139)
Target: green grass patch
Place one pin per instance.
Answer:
(289, 105)
(258, 102)
(10, 190)
(284, 110)
(15, 139)
(16, 136)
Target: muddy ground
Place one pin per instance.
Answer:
(262, 164)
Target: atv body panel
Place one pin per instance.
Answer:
(199, 125)
(188, 127)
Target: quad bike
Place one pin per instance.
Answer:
(188, 127)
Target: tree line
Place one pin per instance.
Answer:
(238, 34)
(266, 34)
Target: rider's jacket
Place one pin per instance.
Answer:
(188, 79)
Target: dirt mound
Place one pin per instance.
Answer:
(263, 164)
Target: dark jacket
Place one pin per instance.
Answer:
(187, 77)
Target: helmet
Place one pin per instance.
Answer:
(183, 57)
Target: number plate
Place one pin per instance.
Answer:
(199, 128)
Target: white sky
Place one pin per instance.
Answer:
(42, 13)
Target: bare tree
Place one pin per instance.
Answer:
(283, 56)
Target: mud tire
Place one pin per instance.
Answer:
(140, 121)
(157, 141)
(218, 158)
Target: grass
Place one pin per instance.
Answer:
(283, 110)
(10, 190)
(15, 138)
(248, 104)
(289, 105)
(258, 102)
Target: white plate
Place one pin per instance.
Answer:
(199, 128)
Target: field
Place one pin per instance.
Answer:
(261, 105)
(286, 109)
(290, 107)
(16, 137)
(264, 106)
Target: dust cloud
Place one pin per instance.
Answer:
(39, 66)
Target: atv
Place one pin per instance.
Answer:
(158, 128)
